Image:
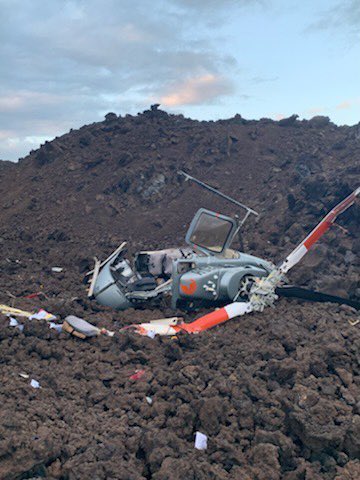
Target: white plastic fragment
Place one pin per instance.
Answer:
(42, 315)
(149, 400)
(56, 269)
(24, 375)
(35, 383)
(13, 322)
(200, 441)
(56, 326)
(108, 333)
(151, 334)
(158, 329)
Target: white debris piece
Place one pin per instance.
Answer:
(56, 326)
(42, 315)
(151, 334)
(35, 383)
(200, 441)
(56, 269)
(24, 375)
(13, 322)
(149, 400)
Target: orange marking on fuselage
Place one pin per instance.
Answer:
(189, 289)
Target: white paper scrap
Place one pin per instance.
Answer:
(151, 334)
(200, 441)
(57, 269)
(149, 400)
(24, 375)
(35, 383)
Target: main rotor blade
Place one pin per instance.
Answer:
(216, 317)
(314, 296)
(301, 250)
(203, 323)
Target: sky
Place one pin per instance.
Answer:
(66, 63)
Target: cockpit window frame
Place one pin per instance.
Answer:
(194, 224)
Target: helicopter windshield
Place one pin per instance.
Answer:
(211, 231)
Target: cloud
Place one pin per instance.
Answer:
(344, 105)
(216, 5)
(18, 101)
(197, 90)
(63, 67)
(5, 134)
(345, 15)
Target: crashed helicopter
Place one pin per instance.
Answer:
(208, 272)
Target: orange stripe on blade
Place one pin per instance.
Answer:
(206, 322)
(316, 234)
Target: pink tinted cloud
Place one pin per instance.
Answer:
(14, 101)
(197, 90)
(10, 102)
(6, 134)
(343, 105)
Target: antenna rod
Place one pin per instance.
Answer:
(217, 192)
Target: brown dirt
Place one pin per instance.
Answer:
(276, 393)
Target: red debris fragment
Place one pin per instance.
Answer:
(137, 375)
(33, 295)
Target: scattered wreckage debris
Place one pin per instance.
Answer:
(41, 314)
(200, 441)
(354, 323)
(15, 312)
(36, 295)
(57, 269)
(112, 255)
(74, 325)
(82, 329)
(34, 383)
(162, 326)
(14, 323)
(137, 375)
(98, 264)
(94, 276)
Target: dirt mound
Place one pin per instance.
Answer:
(276, 393)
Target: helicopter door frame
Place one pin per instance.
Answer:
(194, 223)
